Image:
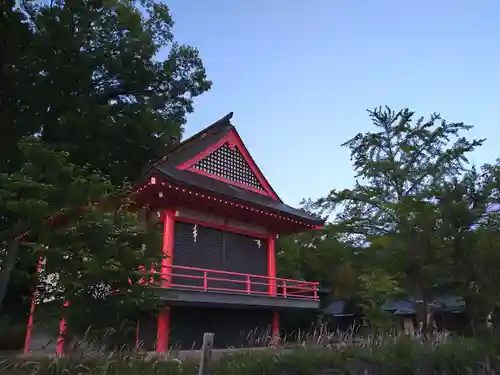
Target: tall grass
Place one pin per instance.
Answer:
(317, 353)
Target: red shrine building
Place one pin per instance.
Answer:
(220, 219)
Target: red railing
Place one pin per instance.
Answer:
(233, 282)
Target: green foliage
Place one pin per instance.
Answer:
(89, 77)
(47, 183)
(100, 255)
(469, 233)
(90, 92)
(94, 244)
(419, 222)
(319, 256)
(401, 168)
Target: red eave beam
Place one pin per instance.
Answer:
(229, 203)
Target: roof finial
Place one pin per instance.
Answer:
(228, 117)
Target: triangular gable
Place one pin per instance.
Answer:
(228, 160)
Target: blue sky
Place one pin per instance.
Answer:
(299, 75)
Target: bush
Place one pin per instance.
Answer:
(374, 356)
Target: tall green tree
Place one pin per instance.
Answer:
(102, 86)
(87, 231)
(104, 80)
(468, 228)
(399, 168)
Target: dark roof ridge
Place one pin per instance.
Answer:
(226, 121)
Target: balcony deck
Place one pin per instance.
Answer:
(183, 285)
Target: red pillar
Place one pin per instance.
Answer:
(271, 264)
(163, 330)
(29, 328)
(61, 338)
(275, 328)
(167, 247)
(62, 334)
(166, 271)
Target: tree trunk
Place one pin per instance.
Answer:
(8, 264)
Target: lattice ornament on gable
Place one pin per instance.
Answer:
(227, 162)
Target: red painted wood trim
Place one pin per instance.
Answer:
(29, 328)
(271, 264)
(234, 140)
(163, 330)
(167, 246)
(222, 227)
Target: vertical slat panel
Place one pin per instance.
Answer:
(209, 248)
(246, 255)
(198, 247)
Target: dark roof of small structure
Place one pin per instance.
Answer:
(445, 303)
(337, 308)
(188, 149)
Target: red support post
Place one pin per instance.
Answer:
(62, 334)
(275, 328)
(271, 264)
(167, 247)
(62, 337)
(163, 330)
(29, 328)
(166, 276)
(249, 285)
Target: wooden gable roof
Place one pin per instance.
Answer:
(217, 160)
